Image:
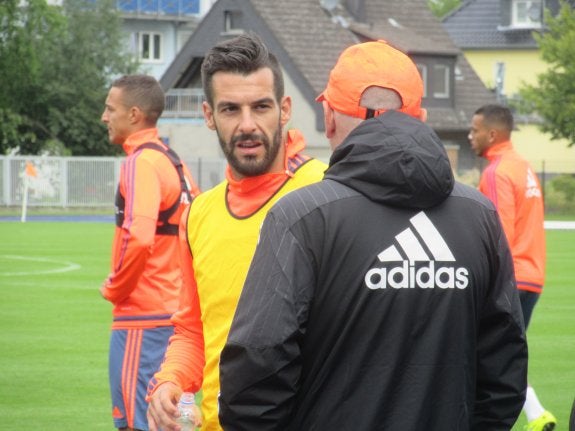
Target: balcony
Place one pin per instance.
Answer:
(158, 8)
(184, 103)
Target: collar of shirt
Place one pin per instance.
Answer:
(498, 149)
(136, 139)
(248, 195)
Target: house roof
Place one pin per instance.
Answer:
(308, 39)
(476, 24)
(416, 18)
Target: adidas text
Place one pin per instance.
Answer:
(424, 276)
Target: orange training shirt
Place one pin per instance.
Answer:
(145, 277)
(510, 183)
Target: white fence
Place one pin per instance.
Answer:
(79, 181)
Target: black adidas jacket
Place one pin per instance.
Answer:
(382, 298)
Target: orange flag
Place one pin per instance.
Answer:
(30, 169)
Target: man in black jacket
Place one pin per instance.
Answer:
(382, 298)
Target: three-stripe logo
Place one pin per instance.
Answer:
(413, 262)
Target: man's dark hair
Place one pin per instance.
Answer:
(243, 54)
(497, 115)
(145, 92)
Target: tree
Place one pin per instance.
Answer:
(59, 62)
(553, 96)
(22, 53)
(440, 8)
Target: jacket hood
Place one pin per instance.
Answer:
(395, 160)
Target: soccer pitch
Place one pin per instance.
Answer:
(55, 327)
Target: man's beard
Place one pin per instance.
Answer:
(251, 166)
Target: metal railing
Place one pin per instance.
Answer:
(79, 181)
(184, 103)
(91, 181)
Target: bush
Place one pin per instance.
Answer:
(560, 194)
(469, 177)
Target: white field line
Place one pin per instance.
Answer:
(63, 266)
(555, 224)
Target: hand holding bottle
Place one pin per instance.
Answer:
(163, 413)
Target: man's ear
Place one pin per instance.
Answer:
(423, 115)
(493, 135)
(208, 115)
(135, 115)
(285, 110)
(328, 120)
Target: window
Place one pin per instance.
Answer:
(150, 47)
(439, 74)
(440, 81)
(233, 22)
(423, 72)
(526, 14)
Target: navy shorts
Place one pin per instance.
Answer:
(135, 355)
(528, 301)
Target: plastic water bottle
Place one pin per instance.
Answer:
(186, 409)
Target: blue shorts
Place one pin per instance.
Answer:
(135, 355)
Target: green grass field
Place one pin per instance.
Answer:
(55, 327)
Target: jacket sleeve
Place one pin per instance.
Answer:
(498, 186)
(501, 348)
(184, 359)
(260, 364)
(140, 185)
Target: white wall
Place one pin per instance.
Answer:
(191, 139)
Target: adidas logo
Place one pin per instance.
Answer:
(532, 186)
(116, 413)
(422, 246)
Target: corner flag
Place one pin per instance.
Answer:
(29, 172)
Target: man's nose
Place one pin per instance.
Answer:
(247, 121)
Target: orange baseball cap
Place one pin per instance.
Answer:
(370, 64)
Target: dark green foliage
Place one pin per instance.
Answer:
(56, 64)
(441, 8)
(565, 184)
(560, 195)
(553, 97)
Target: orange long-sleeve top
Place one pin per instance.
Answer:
(145, 277)
(510, 183)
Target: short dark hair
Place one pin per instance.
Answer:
(243, 54)
(497, 115)
(145, 92)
